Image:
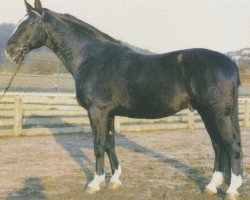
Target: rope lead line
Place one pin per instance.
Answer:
(12, 78)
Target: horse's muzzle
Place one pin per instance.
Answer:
(17, 56)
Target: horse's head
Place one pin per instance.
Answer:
(29, 33)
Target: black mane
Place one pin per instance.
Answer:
(82, 25)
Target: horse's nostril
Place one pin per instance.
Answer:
(9, 49)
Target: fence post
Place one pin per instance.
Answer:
(246, 114)
(117, 124)
(18, 115)
(190, 120)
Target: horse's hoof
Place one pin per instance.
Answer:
(209, 192)
(114, 186)
(230, 196)
(91, 191)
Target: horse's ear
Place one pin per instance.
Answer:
(28, 6)
(38, 6)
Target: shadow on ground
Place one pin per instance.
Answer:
(83, 160)
(32, 190)
(77, 152)
(194, 175)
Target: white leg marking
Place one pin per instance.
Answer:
(217, 180)
(116, 176)
(97, 181)
(236, 182)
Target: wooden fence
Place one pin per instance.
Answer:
(31, 114)
(245, 78)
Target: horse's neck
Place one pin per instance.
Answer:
(68, 42)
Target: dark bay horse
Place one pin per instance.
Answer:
(113, 80)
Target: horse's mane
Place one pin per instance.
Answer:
(82, 25)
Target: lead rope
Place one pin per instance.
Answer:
(12, 78)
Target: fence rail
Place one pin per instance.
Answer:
(245, 78)
(27, 114)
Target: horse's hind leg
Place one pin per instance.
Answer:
(217, 178)
(228, 141)
(232, 144)
(115, 182)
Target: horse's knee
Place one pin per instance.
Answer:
(99, 150)
(109, 147)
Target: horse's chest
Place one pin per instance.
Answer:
(94, 93)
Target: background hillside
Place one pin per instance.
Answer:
(242, 58)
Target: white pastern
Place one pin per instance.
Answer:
(236, 182)
(217, 180)
(97, 181)
(116, 176)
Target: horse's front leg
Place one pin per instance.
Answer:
(99, 124)
(115, 182)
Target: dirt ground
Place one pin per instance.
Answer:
(156, 166)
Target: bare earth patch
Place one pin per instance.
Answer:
(156, 166)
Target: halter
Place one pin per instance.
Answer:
(25, 47)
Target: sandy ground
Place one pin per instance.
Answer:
(156, 166)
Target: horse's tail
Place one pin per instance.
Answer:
(234, 113)
(226, 168)
(236, 127)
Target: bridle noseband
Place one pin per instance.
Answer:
(25, 48)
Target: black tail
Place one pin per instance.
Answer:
(236, 126)
(226, 168)
(234, 112)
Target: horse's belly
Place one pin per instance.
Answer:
(154, 108)
(148, 113)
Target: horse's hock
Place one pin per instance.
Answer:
(30, 114)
